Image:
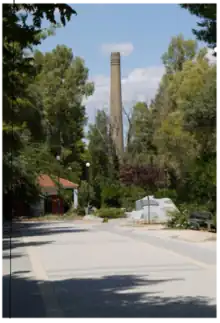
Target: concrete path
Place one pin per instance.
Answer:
(79, 269)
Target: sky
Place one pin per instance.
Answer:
(141, 32)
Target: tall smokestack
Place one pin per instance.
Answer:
(116, 103)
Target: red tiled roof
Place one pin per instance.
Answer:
(45, 181)
(67, 183)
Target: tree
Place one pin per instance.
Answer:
(184, 118)
(176, 147)
(104, 162)
(206, 12)
(200, 113)
(141, 133)
(98, 147)
(148, 177)
(63, 82)
(179, 51)
(21, 115)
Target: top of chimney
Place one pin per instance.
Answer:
(115, 58)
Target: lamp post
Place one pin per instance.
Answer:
(59, 209)
(87, 174)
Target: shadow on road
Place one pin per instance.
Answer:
(110, 296)
(36, 229)
(19, 230)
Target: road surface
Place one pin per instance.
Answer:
(79, 269)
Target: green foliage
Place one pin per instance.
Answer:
(111, 196)
(105, 220)
(80, 211)
(86, 194)
(67, 196)
(165, 192)
(171, 143)
(110, 213)
(23, 115)
(104, 163)
(63, 82)
(179, 51)
(178, 220)
(129, 195)
(140, 134)
(208, 27)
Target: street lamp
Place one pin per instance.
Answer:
(87, 173)
(59, 207)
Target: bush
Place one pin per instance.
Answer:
(110, 213)
(179, 219)
(80, 211)
(86, 194)
(166, 193)
(111, 196)
(130, 195)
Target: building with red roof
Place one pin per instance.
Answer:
(48, 184)
(52, 201)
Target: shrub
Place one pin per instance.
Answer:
(166, 193)
(110, 213)
(130, 195)
(80, 211)
(178, 220)
(105, 220)
(111, 196)
(86, 194)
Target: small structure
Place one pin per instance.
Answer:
(50, 199)
(152, 209)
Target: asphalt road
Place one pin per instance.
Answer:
(103, 270)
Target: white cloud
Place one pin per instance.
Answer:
(212, 59)
(124, 48)
(140, 84)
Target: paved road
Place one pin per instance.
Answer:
(103, 270)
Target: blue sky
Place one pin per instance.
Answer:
(141, 31)
(149, 27)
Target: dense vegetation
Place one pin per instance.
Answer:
(43, 111)
(207, 23)
(171, 144)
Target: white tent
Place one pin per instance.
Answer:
(152, 209)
